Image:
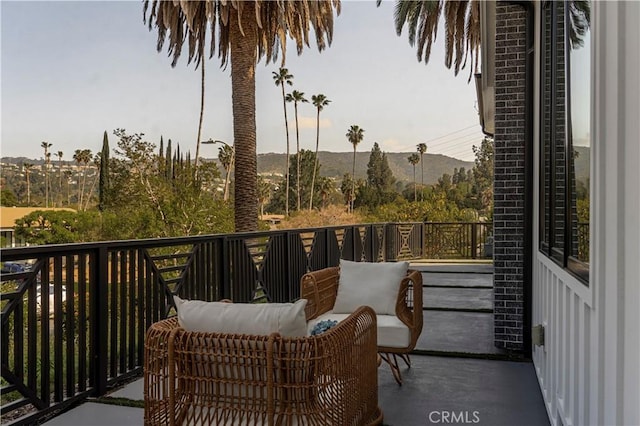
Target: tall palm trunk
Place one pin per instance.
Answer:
(353, 181)
(202, 60)
(27, 175)
(84, 183)
(68, 175)
(415, 189)
(422, 177)
(59, 197)
(243, 88)
(295, 105)
(286, 169)
(46, 185)
(315, 165)
(79, 185)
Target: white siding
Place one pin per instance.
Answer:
(589, 369)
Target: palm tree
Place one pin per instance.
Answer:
(47, 159)
(82, 157)
(48, 189)
(280, 78)
(319, 101)
(59, 154)
(86, 158)
(68, 174)
(296, 97)
(96, 160)
(325, 187)
(195, 165)
(422, 149)
(77, 157)
(225, 156)
(355, 135)
(414, 159)
(246, 32)
(27, 175)
(462, 29)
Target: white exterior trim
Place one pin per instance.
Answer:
(589, 369)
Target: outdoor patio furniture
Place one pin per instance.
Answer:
(206, 378)
(398, 327)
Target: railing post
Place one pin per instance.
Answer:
(391, 243)
(474, 240)
(287, 263)
(327, 249)
(353, 245)
(423, 241)
(99, 318)
(370, 233)
(225, 266)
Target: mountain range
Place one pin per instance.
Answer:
(336, 164)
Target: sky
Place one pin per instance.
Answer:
(72, 70)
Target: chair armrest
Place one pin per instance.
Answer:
(159, 385)
(330, 378)
(320, 289)
(409, 304)
(347, 364)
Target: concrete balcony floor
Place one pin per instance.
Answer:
(454, 378)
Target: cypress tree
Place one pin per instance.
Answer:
(104, 184)
(168, 163)
(379, 174)
(174, 167)
(188, 164)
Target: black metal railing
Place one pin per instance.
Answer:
(73, 325)
(458, 240)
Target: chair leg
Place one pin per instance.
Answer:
(392, 360)
(406, 359)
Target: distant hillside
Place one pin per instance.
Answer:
(336, 164)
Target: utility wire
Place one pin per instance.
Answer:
(437, 144)
(452, 133)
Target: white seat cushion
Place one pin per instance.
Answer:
(392, 332)
(259, 319)
(369, 284)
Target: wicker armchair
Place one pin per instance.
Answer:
(196, 378)
(321, 287)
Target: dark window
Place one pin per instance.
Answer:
(565, 138)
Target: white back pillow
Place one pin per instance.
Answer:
(369, 284)
(260, 319)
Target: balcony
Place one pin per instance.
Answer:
(87, 354)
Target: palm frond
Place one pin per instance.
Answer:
(460, 34)
(461, 27)
(178, 22)
(579, 21)
(473, 37)
(430, 19)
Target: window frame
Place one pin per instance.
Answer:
(548, 234)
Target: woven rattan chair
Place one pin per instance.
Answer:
(194, 378)
(321, 287)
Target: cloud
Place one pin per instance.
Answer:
(309, 122)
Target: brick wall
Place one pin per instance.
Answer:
(509, 176)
